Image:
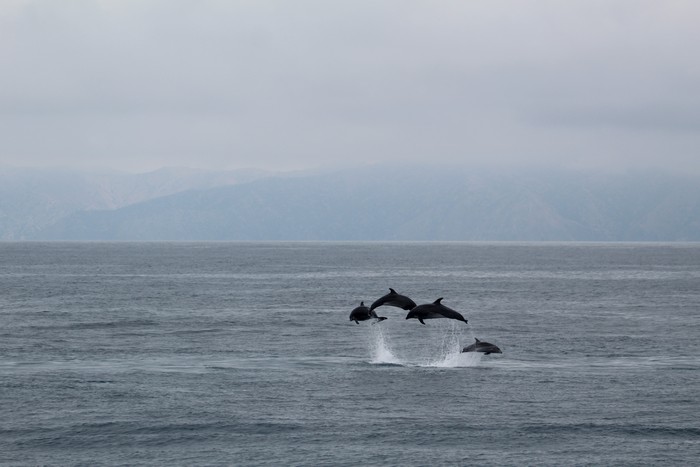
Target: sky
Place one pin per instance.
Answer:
(135, 85)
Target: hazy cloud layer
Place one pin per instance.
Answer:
(275, 84)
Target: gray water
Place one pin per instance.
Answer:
(243, 354)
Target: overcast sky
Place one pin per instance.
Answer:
(137, 85)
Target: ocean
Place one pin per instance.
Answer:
(243, 354)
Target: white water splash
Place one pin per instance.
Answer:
(457, 359)
(448, 353)
(443, 351)
(379, 349)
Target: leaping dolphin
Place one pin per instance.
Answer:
(362, 313)
(434, 310)
(394, 299)
(483, 347)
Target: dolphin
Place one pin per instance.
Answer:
(362, 313)
(394, 299)
(483, 347)
(434, 310)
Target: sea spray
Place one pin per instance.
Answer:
(448, 352)
(458, 359)
(380, 351)
(438, 346)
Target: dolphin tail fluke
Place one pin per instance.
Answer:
(379, 319)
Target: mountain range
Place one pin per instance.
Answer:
(379, 203)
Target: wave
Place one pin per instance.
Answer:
(125, 433)
(632, 363)
(101, 324)
(186, 332)
(610, 428)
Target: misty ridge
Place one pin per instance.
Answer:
(378, 203)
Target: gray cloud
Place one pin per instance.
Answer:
(141, 84)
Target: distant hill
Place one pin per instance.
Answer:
(383, 203)
(32, 199)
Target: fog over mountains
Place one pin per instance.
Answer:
(34, 199)
(373, 203)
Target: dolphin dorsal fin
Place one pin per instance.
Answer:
(437, 302)
(477, 340)
(362, 303)
(392, 290)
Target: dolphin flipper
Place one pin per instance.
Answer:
(379, 320)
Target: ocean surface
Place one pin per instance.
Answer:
(243, 354)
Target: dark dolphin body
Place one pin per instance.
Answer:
(394, 299)
(484, 347)
(362, 313)
(434, 310)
